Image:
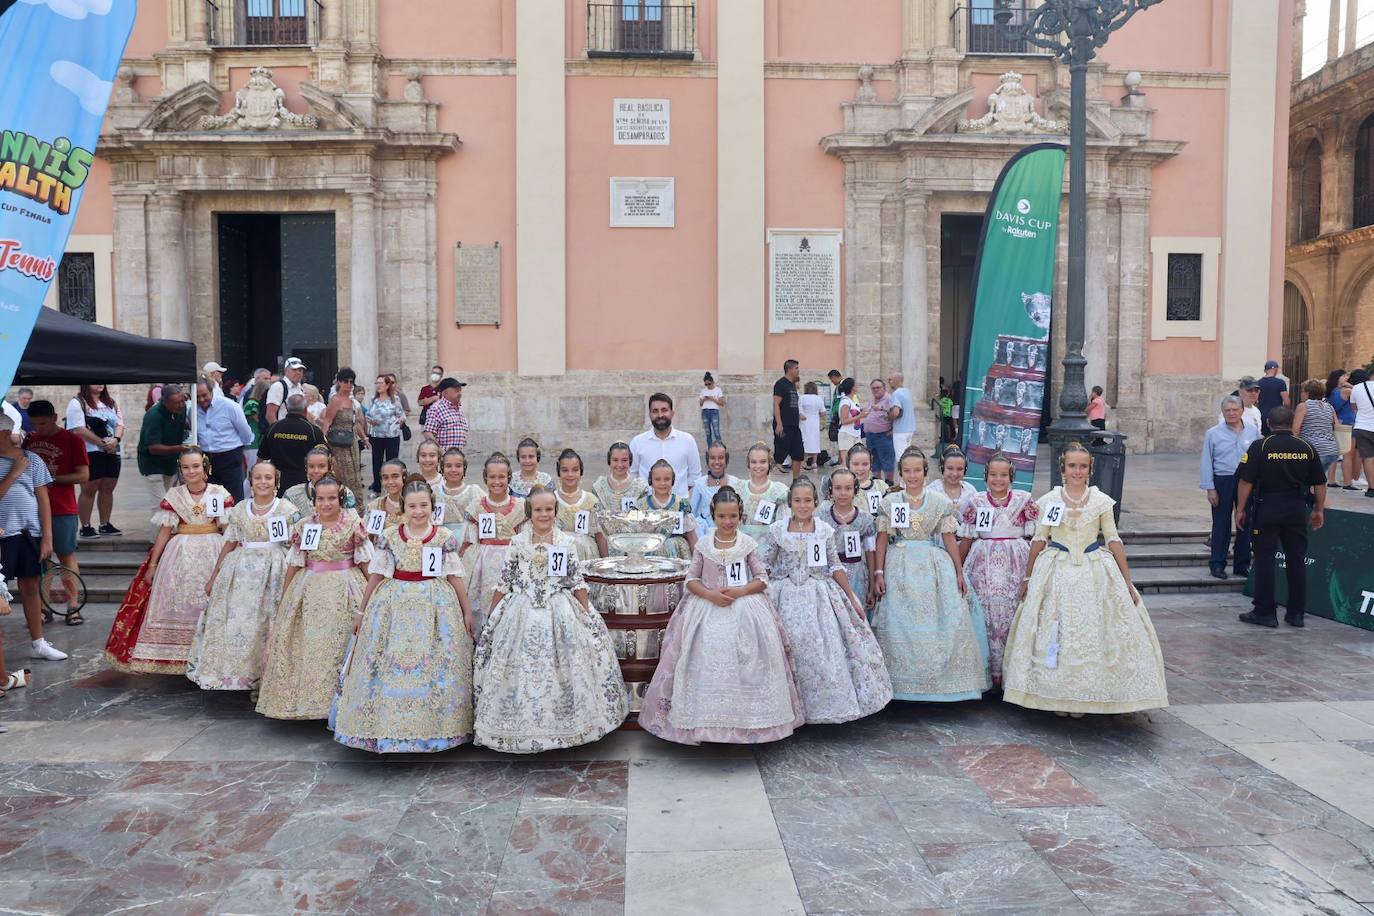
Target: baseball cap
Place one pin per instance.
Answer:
(294, 363)
(447, 383)
(1271, 364)
(1248, 383)
(213, 366)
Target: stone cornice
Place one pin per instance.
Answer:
(140, 143)
(1334, 242)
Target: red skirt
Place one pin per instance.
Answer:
(128, 622)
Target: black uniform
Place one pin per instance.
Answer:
(1282, 469)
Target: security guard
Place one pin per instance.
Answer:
(1280, 472)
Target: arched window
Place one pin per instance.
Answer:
(1364, 174)
(1309, 197)
(1294, 334)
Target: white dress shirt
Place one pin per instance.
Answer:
(678, 448)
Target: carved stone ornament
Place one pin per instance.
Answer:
(1011, 110)
(866, 91)
(259, 105)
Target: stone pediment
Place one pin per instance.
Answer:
(257, 108)
(1011, 110)
(183, 109)
(259, 105)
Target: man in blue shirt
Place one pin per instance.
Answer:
(1273, 392)
(222, 432)
(903, 414)
(1222, 449)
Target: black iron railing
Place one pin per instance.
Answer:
(1364, 210)
(264, 22)
(642, 28)
(976, 32)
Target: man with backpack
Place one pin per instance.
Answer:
(291, 382)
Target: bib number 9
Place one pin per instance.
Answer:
(214, 505)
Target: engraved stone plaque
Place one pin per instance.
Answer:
(477, 283)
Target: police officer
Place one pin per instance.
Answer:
(1279, 473)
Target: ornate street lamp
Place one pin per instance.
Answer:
(1072, 30)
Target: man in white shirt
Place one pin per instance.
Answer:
(293, 374)
(1362, 399)
(1248, 391)
(662, 441)
(215, 373)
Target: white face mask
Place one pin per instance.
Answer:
(434, 376)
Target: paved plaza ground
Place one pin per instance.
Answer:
(1253, 793)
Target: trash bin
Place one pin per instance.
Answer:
(1109, 465)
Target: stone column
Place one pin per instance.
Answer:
(331, 24)
(1333, 32)
(1095, 327)
(1352, 19)
(363, 287)
(131, 263)
(863, 281)
(173, 316)
(915, 324)
(1132, 300)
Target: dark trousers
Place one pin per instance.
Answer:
(1222, 525)
(226, 469)
(383, 450)
(1282, 524)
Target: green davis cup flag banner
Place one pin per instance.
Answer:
(1009, 331)
(57, 61)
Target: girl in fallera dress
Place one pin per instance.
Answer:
(993, 528)
(661, 498)
(869, 490)
(393, 478)
(618, 490)
(951, 482)
(319, 463)
(723, 672)
(323, 591)
(936, 648)
(837, 664)
(856, 534)
(1081, 640)
(765, 500)
(458, 497)
(244, 588)
(577, 509)
(407, 680)
(502, 515)
(427, 458)
(546, 673)
(528, 454)
(155, 625)
(708, 484)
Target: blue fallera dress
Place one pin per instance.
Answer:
(934, 641)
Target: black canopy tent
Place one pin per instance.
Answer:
(68, 351)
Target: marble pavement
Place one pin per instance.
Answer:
(1251, 794)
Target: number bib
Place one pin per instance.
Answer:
(983, 520)
(766, 513)
(486, 526)
(899, 514)
(376, 521)
(582, 522)
(627, 503)
(1054, 515)
(310, 536)
(815, 553)
(439, 513)
(558, 562)
(736, 573)
(431, 562)
(875, 502)
(853, 545)
(214, 505)
(681, 526)
(277, 529)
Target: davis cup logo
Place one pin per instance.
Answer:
(1023, 206)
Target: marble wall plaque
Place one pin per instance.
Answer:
(641, 122)
(643, 202)
(804, 280)
(477, 284)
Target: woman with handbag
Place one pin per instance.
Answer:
(343, 430)
(386, 424)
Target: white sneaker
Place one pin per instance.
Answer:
(41, 648)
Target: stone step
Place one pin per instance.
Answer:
(1170, 555)
(1172, 536)
(1163, 580)
(135, 543)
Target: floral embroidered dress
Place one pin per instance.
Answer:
(837, 663)
(156, 623)
(580, 519)
(546, 674)
(458, 514)
(231, 637)
(996, 562)
(935, 646)
(313, 623)
(491, 554)
(302, 496)
(861, 525)
(723, 673)
(663, 598)
(521, 487)
(394, 515)
(615, 497)
(751, 522)
(346, 457)
(407, 680)
(1078, 642)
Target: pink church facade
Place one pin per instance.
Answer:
(570, 204)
